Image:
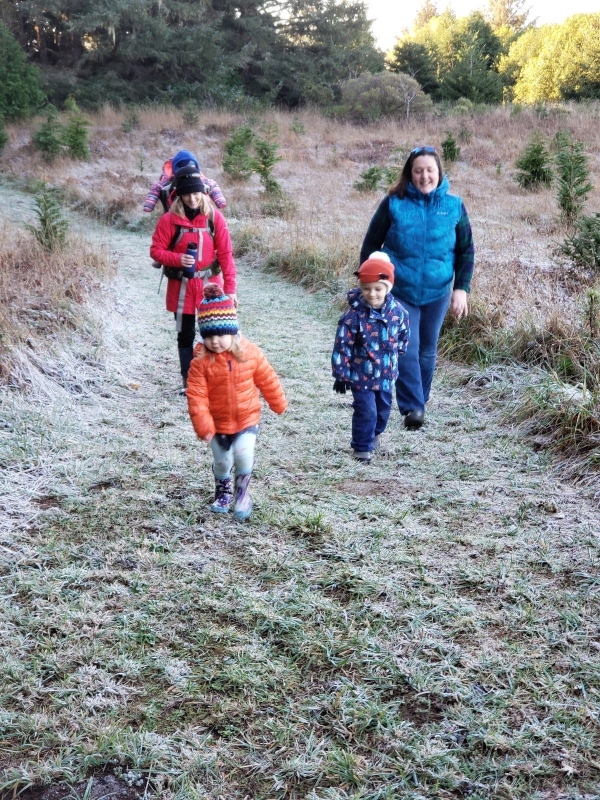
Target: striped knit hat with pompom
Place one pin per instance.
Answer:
(217, 315)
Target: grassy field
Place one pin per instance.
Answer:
(528, 304)
(426, 627)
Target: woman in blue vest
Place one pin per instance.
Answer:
(427, 235)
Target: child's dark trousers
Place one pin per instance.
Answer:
(371, 414)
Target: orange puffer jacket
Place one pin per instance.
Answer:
(222, 392)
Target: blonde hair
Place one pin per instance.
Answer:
(204, 208)
(236, 350)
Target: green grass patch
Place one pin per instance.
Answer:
(313, 267)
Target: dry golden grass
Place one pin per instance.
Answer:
(516, 232)
(41, 293)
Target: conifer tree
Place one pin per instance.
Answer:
(573, 177)
(20, 93)
(48, 137)
(412, 58)
(427, 11)
(508, 14)
(3, 135)
(533, 167)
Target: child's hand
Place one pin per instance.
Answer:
(207, 438)
(341, 387)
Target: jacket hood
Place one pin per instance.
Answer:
(419, 197)
(356, 300)
(183, 158)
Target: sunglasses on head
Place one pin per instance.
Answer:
(426, 149)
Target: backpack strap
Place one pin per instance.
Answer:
(176, 273)
(181, 229)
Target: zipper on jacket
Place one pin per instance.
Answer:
(232, 393)
(425, 221)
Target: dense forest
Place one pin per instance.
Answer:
(285, 52)
(497, 55)
(176, 50)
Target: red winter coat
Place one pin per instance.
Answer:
(208, 250)
(222, 392)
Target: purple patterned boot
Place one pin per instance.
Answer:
(223, 495)
(242, 505)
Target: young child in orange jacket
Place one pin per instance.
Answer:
(225, 377)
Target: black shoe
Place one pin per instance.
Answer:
(414, 419)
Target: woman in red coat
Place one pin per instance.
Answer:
(192, 219)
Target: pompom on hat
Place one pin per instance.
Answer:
(377, 267)
(189, 181)
(217, 315)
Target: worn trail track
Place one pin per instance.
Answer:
(457, 554)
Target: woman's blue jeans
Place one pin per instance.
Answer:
(416, 366)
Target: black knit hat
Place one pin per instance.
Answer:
(188, 181)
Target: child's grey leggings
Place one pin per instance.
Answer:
(239, 452)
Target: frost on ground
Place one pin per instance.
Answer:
(425, 627)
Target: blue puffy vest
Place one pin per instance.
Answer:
(421, 243)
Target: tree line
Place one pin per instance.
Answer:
(288, 53)
(498, 56)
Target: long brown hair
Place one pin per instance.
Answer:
(401, 184)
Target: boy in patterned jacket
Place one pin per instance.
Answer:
(370, 337)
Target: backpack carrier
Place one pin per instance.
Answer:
(177, 273)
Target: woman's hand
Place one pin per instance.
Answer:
(458, 304)
(187, 261)
(207, 438)
(234, 298)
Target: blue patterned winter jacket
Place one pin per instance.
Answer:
(368, 342)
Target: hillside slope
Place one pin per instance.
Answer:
(424, 627)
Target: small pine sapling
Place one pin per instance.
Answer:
(583, 246)
(573, 177)
(190, 115)
(237, 160)
(369, 180)
(131, 120)
(464, 134)
(534, 168)
(48, 137)
(265, 159)
(51, 232)
(76, 135)
(297, 127)
(450, 149)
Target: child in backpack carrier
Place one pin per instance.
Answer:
(163, 188)
(370, 336)
(192, 220)
(225, 378)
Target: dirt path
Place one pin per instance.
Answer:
(366, 619)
